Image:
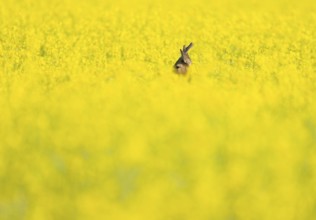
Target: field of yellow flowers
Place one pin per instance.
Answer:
(94, 123)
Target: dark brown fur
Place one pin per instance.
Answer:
(184, 61)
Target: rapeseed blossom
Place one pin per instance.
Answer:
(95, 123)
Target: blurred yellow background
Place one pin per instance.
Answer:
(94, 123)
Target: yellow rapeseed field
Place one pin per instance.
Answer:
(95, 124)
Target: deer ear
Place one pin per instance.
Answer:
(181, 52)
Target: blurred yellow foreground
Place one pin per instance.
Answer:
(94, 123)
